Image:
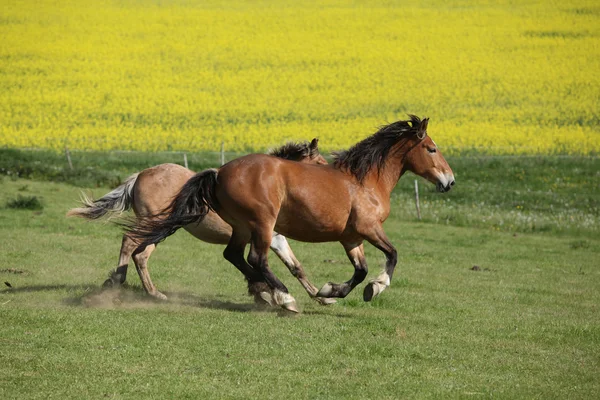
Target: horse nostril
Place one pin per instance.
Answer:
(452, 183)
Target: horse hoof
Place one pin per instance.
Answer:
(324, 301)
(109, 284)
(325, 291)
(370, 291)
(264, 298)
(291, 306)
(159, 296)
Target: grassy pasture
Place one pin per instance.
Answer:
(524, 325)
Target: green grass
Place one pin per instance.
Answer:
(526, 325)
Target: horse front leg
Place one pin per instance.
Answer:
(374, 288)
(257, 287)
(281, 247)
(257, 258)
(356, 254)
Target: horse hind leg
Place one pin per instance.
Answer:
(257, 287)
(117, 276)
(281, 247)
(259, 250)
(356, 254)
(140, 258)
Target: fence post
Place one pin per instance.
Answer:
(222, 153)
(68, 154)
(417, 199)
(185, 164)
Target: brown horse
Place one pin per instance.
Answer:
(150, 191)
(346, 202)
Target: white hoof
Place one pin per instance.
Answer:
(159, 296)
(285, 300)
(290, 307)
(267, 298)
(325, 290)
(324, 301)
(372, 290)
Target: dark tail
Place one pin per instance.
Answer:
(118, 200)
(195, 199)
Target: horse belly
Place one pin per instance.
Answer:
(310, 226)
(212, 229)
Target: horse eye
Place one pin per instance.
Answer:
(432, 150)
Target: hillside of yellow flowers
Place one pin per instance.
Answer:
(499, 77)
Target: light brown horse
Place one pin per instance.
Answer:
(150, 191)
(346, 202)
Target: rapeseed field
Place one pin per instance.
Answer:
(497, 77)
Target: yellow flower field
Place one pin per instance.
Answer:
(500, 77)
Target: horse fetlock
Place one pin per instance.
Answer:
(383, 279)
(326, 290)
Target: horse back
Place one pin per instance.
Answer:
(305, 202)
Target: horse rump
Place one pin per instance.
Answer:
(195, 199)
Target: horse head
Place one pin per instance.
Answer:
(426, 160)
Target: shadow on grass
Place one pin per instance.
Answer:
(134, 297)
(127, 296)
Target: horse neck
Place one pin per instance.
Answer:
(386, 179)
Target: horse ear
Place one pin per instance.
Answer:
(423, 128)
(314, 146)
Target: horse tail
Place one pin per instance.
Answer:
(195, 199)
(118, 200)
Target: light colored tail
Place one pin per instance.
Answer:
(117, 201)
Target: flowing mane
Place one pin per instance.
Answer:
(292, 151)
(374, 150)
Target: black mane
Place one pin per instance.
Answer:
(294, 151)
(374, 150)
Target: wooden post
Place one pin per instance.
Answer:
(185, 164)
(68, 154)
(222, 153)
(417, 199)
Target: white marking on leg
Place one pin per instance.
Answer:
(280, 245)
(266, 296)
(383, 278)
(325, 290)
(325, 301)
(380, 283)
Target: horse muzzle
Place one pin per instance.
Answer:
(445, 183)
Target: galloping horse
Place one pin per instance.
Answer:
(346, 202)
(150, 191)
